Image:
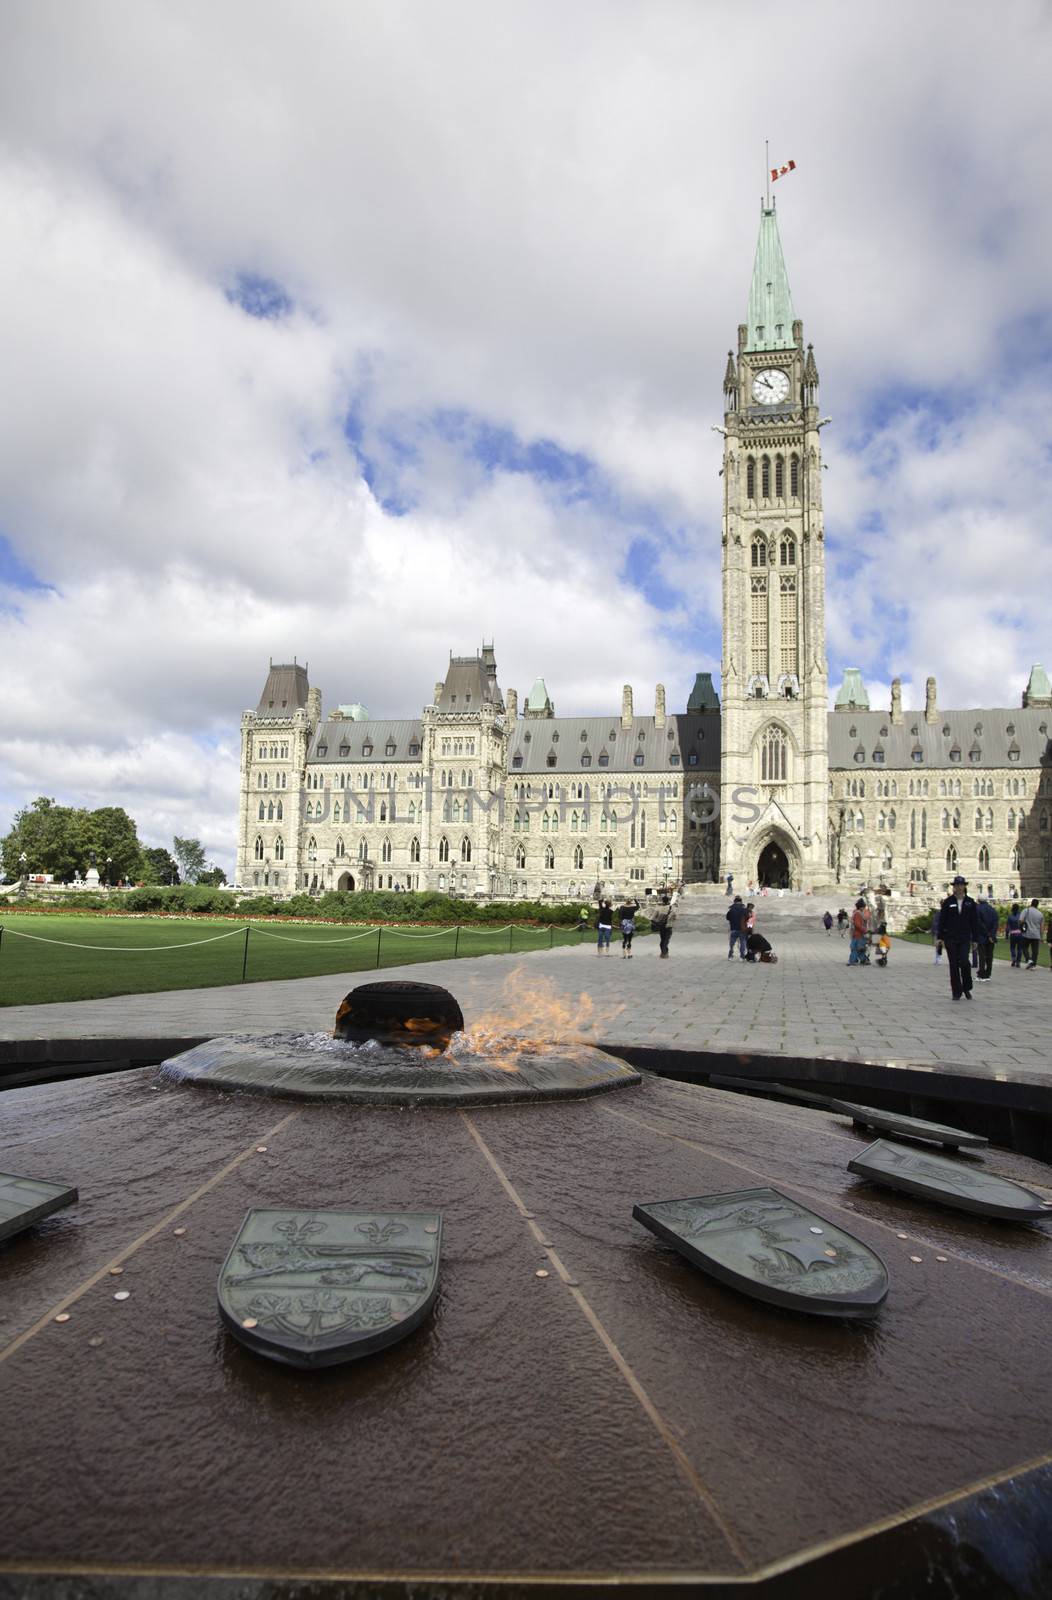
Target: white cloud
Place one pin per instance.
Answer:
(543, 217)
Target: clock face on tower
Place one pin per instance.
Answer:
(770, 387)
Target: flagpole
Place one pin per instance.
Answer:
(767, 169)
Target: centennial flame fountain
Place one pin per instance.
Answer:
(575, 1403)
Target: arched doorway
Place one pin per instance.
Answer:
(772, 869)
(345, 882)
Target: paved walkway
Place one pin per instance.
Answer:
(811, 1002)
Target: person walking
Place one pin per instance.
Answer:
(989, 925)
(662, 922)
(604, 927)
(959, 931)
(859, 956)
(730, 883)
(827, 922)
(1014, 930)
(841, 921)
(736, 922)
(1033, 928)
(626, 916)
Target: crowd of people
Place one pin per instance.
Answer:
(964, 930)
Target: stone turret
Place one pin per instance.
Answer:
(626, 706)
(314, 707)
(852, 696)
(659, 706)
(539, 701)
(511, 703)
(1038, 691)
(703, 696)
(896, 701)
(931, 705)
(439, 686)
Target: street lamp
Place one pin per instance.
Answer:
(871, 856)
(22, 863)
(109, 862)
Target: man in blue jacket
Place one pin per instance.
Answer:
(736, 918)
(986, 912)
(959, 931)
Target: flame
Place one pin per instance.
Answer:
(532, 1013)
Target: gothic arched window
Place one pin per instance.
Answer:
(951, 859)
(385, 850)
(414, 850)
(779, 477)
(549, 858)
(750, 478)
(312, 848)
(259, 848)
(608, 858)
(788, 550)
(279, 848)
(794, 477)
(774, 757)
(759, 552)
(765, 477)
(984, 858)
(578, 858)
(520, 856)
(443, 848)
(465, 848)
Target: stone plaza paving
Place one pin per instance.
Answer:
(810, 1002)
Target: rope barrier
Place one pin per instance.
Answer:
(312, 944)
(127, 949)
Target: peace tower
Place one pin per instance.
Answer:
(774, 768)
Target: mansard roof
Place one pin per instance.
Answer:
(340, 740)
(956, 739)
(471, 682)
(545, 745)
(285, 691)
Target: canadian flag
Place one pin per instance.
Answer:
(780, 172)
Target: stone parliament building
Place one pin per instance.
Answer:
(480, 797)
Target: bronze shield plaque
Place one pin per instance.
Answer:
(949, 1182)
(768, 1246)
(313, 1288)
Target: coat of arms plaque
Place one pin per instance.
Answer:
(770, 1247)
(314, 1288)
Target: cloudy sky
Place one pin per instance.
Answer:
(365, 330)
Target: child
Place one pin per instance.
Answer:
(883, 948)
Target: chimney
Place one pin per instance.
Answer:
(626, 706)
(659, 706)
(511, 703)
(931, 709)
(896, 701)
(439, 686)
(314, 707)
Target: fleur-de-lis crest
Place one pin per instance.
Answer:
(381, 1233)
(297, 1233)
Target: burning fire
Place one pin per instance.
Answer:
(533, 1013)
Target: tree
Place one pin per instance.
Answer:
(190, 854)
(51, 838)
(214, 876)
(158, 866)
(110, 832)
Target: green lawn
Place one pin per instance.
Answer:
(1001, 950)
(37, 964)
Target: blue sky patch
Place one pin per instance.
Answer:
(259, 296)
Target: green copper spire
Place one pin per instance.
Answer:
(770, 325)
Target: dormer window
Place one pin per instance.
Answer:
(917, 755)
(323, 749)
(584, 736)
(367, 749)
(955, 753)
(878, 757)
(604, 759)
(389, 749)
(516, 761)
(345, 749)
(638, 758)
